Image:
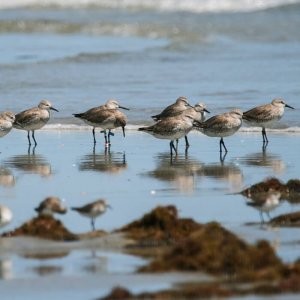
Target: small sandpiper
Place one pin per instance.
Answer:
(179, 106)
(5, 215)
(93, 210)
(34, 118)
(7, 120)
(222, 125)
(265, 203)
(49, 206)
(171, 128)
(266, 115)
(107, 117)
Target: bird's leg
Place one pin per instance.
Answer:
(94, 135)
(172, 147)
(261, 217)
(35, 143)
(28, 137)
(93, 224)
(110, 134)
(222, 144)
(177, 140)
(264, 135)
(187, 144)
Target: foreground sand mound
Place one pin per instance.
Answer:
(215, 250)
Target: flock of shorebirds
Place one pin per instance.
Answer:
(173, 123)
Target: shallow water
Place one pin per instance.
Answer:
(135, 176)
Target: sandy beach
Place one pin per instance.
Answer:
(135, 176)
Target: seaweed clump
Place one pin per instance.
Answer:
(160, 226)
(215, 250)
(291, 219)
(45, 227)
(206, 290)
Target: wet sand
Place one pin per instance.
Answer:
(135, 176)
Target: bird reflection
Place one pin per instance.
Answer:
(264, 159)
(45, 270)
(6, 268)
(229, 172)
(30, 163)
(96, 263)
(179, 170)
(111, 162)
(7, 179)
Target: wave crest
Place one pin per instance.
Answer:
(162, 5)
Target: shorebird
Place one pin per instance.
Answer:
(222, 125)
(265, 202)
(179, 106)
(265, 115)
(198, 112)
(7, 119)
(107, 117)
(5, 215)
(171, 128)
(49, 206)
(34, 118)
(93, 210)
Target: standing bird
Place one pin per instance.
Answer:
(7, 120)
(93, 210)
(198, 112)
(221, 125)
(179, 106)
(34, 118)
(107, 117)
(49, 206)
(171, 128)
(265, 115)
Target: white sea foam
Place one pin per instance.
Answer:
(165, 5)
(131, 127)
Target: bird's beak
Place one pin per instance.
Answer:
(124, 107)
(123, 128)
(52, 108)
(206, 110)
(289, 106)
(189, 105)
(108, 206)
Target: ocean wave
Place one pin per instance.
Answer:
(197, 6)
(134, 127)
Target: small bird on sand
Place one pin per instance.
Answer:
(222, 125)
(179, 106)
(7, 120)
(266, 115)
(34, 118)
(49, 206)
(171, 128)
(107, 117)
(93, 210)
